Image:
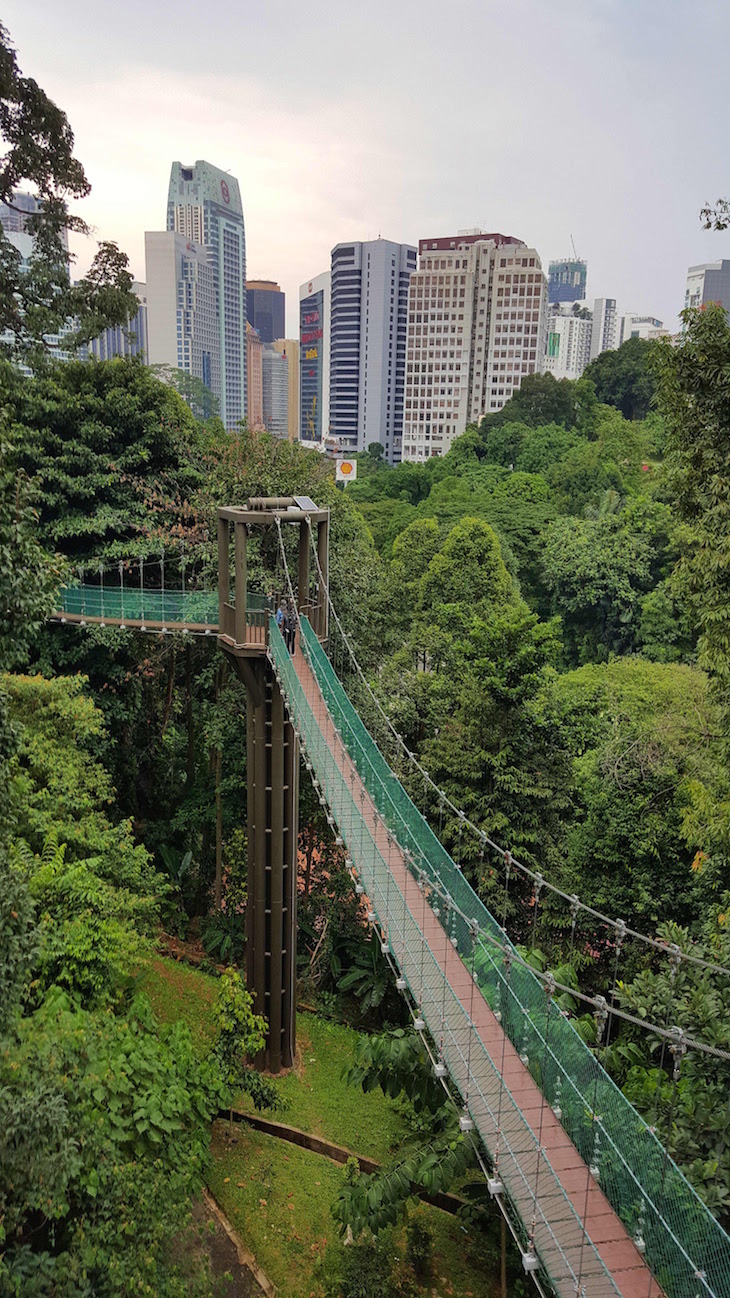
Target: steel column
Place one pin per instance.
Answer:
(273, 765)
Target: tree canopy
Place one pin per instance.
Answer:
(40, 299)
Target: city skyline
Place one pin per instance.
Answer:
(415, 159)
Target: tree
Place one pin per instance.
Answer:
(623, 378)
(29, 576)
(642, 741)
(41, 300)
(194, 392)
(113, 453)
(596, 572)
(470, 690)
(717, 217)
(693, 393)
(543, 399)
(692, 1118)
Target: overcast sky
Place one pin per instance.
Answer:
(604, 119)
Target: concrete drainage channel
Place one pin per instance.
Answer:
(450, 1203)
(246, 1259)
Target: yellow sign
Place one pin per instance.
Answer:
(311, 354)
(346, 470)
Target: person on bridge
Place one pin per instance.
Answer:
(280, 617)
(290, 629)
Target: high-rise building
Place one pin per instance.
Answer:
(266, 307)
(204, 206)
(605, 332)
(289, 347)
(640, 326)
(567, 280)
(124, 340)
(314, 358)
(708, 283)
(477, 316)
(182, 319)
(368, 344)
(275, 376)
(568, 348)
(254, 386)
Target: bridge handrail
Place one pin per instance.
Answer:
(686, 1247)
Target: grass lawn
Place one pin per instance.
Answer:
(177, 991)
(277, 1196)
(319, 1101)
(278, 1199)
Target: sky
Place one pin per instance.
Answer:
(604, 120)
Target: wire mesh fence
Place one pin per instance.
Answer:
(143, 605)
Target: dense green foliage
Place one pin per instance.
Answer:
(623, 378)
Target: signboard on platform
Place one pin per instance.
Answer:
(346, 470)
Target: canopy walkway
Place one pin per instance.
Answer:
(604, 1210)
(594, 1200)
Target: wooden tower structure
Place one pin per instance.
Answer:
(272, 750)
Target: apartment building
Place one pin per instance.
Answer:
(477, 315)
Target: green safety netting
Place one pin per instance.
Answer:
(171, 608)
(686, 1248)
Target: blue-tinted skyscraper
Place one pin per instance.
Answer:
(204, 205)
(567, 281)
(265, 304)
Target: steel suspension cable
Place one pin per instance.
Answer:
(571, 898)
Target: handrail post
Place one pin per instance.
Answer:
(323, 549)
(303, 567)
(224, 573)
(240, 581)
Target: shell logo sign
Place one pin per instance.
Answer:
(345, 471)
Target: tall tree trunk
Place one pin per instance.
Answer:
(218, 830)
(220, 681)
(169, 692)
(190, 761)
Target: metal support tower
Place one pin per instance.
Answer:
(272, 757)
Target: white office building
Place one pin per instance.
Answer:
(275, 386)
(182, 319)
(369, 307)
(708, 283)
(647, 327)
(605, 334)
(568, 340)
(204, 206)
(477, 319)
(314, 358)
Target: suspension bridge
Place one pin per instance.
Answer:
(593, 1199)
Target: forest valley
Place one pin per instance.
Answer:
(544, 613)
